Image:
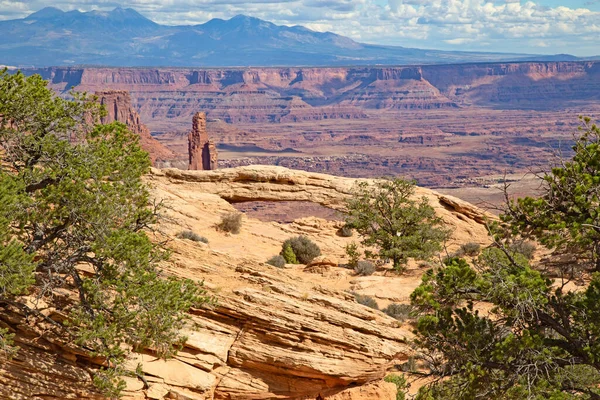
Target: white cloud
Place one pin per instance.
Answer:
(498, 25)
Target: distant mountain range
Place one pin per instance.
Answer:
(123, 37)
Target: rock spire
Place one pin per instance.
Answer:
(202, 151)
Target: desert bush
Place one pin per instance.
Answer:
(401, 312)
(353, 254)
(231, 222)
(366, 300)
(345, 231)
(364, 268)
(288, 254)
(193, 236)
(470, 249)
(303, 248)
(277, 261)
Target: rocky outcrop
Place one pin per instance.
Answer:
(118, 107)
(273, 183)
(201, 150)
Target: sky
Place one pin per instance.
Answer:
(535, 27)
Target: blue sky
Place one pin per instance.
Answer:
(527, 26)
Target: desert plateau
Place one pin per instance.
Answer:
(300, 200)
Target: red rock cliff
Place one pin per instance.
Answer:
(118, 107)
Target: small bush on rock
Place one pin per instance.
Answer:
(231, 222)
(193, 236)
(470, 249)
(401, 312)
(277, 261)
(304, 249)
(288, 254)
(366, 300)
(364, 268)
(345, 231)
(353, 254)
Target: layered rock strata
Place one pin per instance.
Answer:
(118, 108)
(201, 150)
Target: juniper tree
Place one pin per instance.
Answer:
(400, 227)
(74, 214)
(501, 329)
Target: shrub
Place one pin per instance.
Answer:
(364, 268)
(366, 300)
(277, 261)
(353, 254)
(189, 235)
(527, 249)
(401, 385)
(304, 249)
(410, 365)
(231, 222)
(401, 312)
(288, 254)
(345, 231)
(471, 249)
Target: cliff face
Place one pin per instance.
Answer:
(118, 107)
(283, 94)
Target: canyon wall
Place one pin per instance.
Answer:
(118, 108)
(304, 94)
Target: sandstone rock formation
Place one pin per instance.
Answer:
(272, 183)
(118, 107)
(274, 333)
(202, 151)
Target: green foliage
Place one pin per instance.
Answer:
(288, 254)
(73, 200)
(401, 385)
(401, 312)
(364, 268)
(277, 261)
(524, 347)
(231, 222)
(388, 217)
(366, 300)
(566, 217)
(304, 249)
(353, 254)
(193, 236)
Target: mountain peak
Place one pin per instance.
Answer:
(45, 13)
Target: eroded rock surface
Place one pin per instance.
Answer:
(201, 150)
(118, 107)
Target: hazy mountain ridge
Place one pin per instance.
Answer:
(123, 37)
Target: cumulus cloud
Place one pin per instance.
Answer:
(498, 25)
